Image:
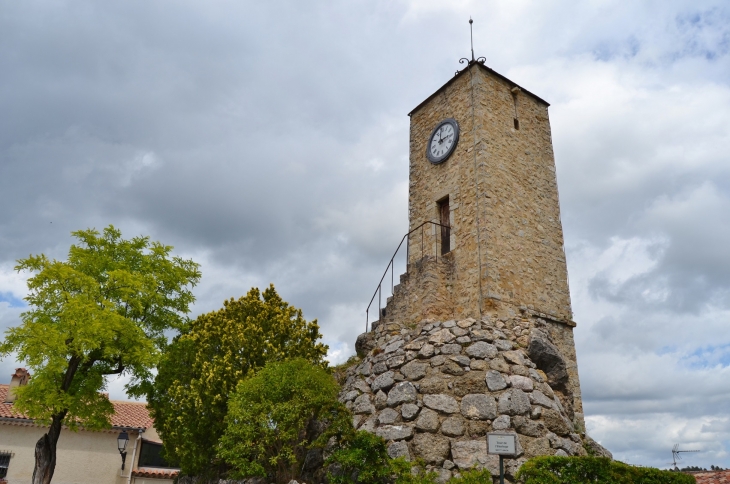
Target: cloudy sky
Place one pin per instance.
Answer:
(269, 142)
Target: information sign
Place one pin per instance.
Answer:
(501, 444)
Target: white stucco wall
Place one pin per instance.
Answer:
(82, 457)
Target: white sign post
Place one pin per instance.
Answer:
(501, 444)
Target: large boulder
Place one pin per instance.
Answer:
(547, 357)
(365, 344)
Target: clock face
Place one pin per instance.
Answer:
(443, 141)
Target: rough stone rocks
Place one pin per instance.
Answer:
(539, 446)
(461, 360)
(363, 404)
(503, 344)
(364, 344)
(388, 416)
(547, 357)
(393, 346)
(597, 449)
(350, 396)
(394, 432)
(495, 381)
(403, 392)
(396, 361)
(414, 370)
(399, 449)
(477, 428)
(469, 453)
(538, 398)
(433, 384)
(451, 349)
(472, 382)
(433, 449)
(480, 349)
(383, 382)
(444, 385)
(478, 407)
(514, 402)
(519, 370)
(502, 422)
(499, 364)
(521, 382)
(365, 368)
(380, 367)
(381, 400)
(535, 375)
(362, 386)
(481, 335)
(452, 368)
(409, 411)
(428, 421)
(555, 422)
(369, 424)
(441, 337)
(528, 427)
(452, 426)
(415, 345)
(444, 403)
(426, 351)
(514, 357)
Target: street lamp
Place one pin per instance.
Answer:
(122, 445)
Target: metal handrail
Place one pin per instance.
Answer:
(378, 290)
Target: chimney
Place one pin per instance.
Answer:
(17, 379)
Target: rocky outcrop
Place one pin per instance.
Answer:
(435, 390)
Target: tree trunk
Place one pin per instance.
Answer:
(45, 452)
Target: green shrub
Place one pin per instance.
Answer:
(272, 420)
(473, 476)
(363, 459)
(593, 470)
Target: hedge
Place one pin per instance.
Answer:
(593, 470)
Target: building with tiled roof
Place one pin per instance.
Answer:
(713, 477)
(85, 456)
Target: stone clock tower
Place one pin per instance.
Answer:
(483, 208)
(486, 240)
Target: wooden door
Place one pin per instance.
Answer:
(445, 226)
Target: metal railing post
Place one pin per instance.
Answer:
(391, 265)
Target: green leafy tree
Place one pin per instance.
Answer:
(275, 417)
(102, 312)
(203, 366)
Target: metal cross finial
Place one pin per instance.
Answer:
(471, 35)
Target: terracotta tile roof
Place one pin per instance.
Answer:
(131, 414)
(126, 414)
(155, 473)
(712, 477)
(6, 409)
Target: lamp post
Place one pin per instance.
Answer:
(122, 445)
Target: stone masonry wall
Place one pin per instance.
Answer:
(500, 181)
(434, 389)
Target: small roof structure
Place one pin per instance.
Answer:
(127, 415)
(482, 66)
